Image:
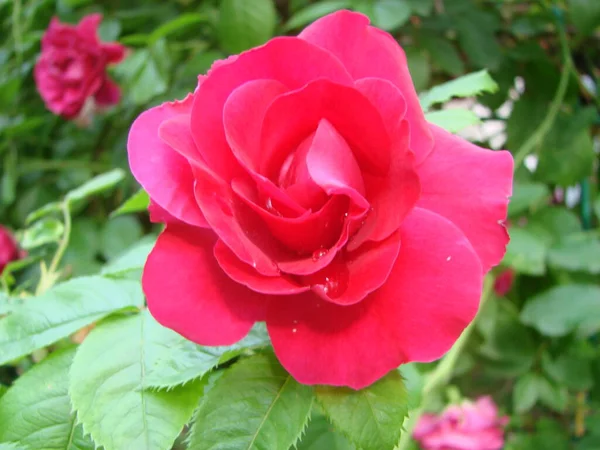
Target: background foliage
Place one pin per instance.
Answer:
(132, 384)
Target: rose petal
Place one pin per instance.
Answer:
(291, 61)
(369, 52)
(386, 97)
(245, 274)
(295, 115)
(108, 94)
(162, 172)
(469, 186)
(88, 27)
(196, 298)
(115, 52)
(429, 298)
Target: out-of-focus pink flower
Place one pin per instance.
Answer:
(503, 282)
(71, 72)
(9, 250)
(468, 426)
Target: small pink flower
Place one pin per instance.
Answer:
(71, 72)
(504, 281)
(9, 251)
(468, 426)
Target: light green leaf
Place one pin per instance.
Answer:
(465, 86)
(7, 446)
(181, 22)
(96, 185)
(314, 11)
(36, 411)
(131, 259)
(45, 210)
(414, 381)
(385, 14)
(564, 309)
(108, 381)
(243, 24)
(184, 360)
(8, 304)
(118, 235)
(61, 311)
(136, 203)
(569, 369)
(576, 253)
(41, 233)
(256, 404)
(371, 417)
(525, 392)
(453, 120)
(526, 252)
(526, 196)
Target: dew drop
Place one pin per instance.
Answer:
(448, 258)
(271, 208)
(319, 253)
(295, 322)
(294, 330)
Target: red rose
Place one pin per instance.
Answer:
(9, 251)
(301, 186)
(71, 72)
(468, 426)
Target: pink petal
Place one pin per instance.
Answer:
(88, 27)
(369, 52)
(195, 297)
(295, 115)
(290, 61)
(391, 196)
(243, 115)
(108, 94)
(469, 186)
(386, 97)
(162, 172)
(430, 297)
(245, 274)
(115, 52)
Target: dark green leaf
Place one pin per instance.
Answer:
(321, 435)
(119, 234)
(108, 381)
(553, 396)
(184, 360)
(256, 404)
(243, 24)
(132, 259)
(64, 309)
(443, 53)
(525, 393)
(479, 42)
(527, 196)
(181, 22)
(585, 14)
(314, 11)
(371, 417)
(570, 369)
(385, 14)
(419, 67)
(421, 7)
(36, 411)
(564, 309)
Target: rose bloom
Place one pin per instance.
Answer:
(301, 185)
(468, 426)
(9, 250)
(70, 73)
(504, 282)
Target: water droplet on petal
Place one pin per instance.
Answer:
(319, 253)
(294, 330)
(448, 258)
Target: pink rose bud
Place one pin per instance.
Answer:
(503, 282)
(9, 250)
(70, 73)
(468, 426)
(301, 186)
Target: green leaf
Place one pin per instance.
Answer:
(414, 382)
(385, 14)
(50, 208)
(184, 360)
(553, 396)
(371, 417)
(119, 234)
(564, 309)
(42, 232)
(61, 311)
(585, 14)
(479, 42)
(576, 253)
(597, 208)
(131, 259)
(320, 435)
(558, 222)
(526, 252)
(256, 404)
(96, 185)
(136, 203)
(453, 120)
(569, 369)
(443, 53)
(567, 152)
(243, 24)
(108, 381)
(313, 12)
(525, 393)
(178, 24)
(36, 410)
(465, 86)
(527, 196)
(421, 7)
(419, 67)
